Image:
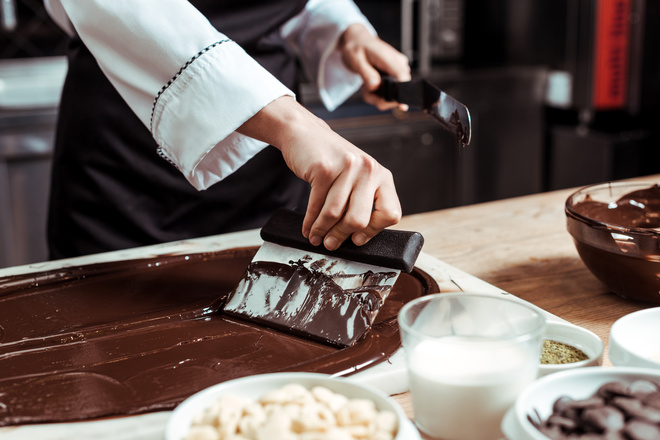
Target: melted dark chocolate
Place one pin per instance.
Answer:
(462, 133)
(625, 255)
(137, 336)
(637, 209)
(308, 302)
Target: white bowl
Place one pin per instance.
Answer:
(634, 340)
(253, 387)
(578, 384)
(578, 337)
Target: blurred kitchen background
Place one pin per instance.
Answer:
(562, 93)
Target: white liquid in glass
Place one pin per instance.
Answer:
(461, 387)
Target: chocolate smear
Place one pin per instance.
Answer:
(137, 336)
(335, 309)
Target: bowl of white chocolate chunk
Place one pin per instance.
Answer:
(291, 406)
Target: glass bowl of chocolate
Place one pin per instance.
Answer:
(616, 230)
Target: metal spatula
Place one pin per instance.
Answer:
(450, 113)
(327, 296)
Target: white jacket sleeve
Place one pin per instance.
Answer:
(190, 85)
(187, 82)
(313, 34)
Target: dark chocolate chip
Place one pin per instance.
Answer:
(571, 413)
(650, 414)
(641, 388)
(652, 400)
(614, 435)
(631, 407)
(562, 403)
(567, 424)
(591, 402)
(641, 430)
(553, 432)
(612, 389)
(604, 418)
(588, 436)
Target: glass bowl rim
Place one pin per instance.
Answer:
(570, 212)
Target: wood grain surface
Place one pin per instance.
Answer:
(521, 245)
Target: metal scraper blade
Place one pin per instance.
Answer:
(312, 295)
(325, 297)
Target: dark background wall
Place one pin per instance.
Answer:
(524, 68)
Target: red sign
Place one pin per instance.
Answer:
(611, 56)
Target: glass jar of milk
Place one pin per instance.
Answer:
(469, 356)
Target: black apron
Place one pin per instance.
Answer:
(110, 190)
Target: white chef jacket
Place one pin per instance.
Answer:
(191, 85)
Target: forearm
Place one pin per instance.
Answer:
(352, 195)
(280, 122)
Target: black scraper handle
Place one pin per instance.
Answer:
(390, 248)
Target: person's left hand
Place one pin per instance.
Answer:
(369, 56)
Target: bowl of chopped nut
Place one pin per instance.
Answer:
(289, 405)
(567, 346)
(588, 403)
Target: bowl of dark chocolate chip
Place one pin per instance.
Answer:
(616, 229)
(567, 346)
(592, 403)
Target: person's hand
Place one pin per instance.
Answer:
(369, 56)
(352, 195)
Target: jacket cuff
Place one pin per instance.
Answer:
(196, 114)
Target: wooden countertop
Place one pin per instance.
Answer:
(521, 246)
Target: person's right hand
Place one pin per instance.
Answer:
(352, 195)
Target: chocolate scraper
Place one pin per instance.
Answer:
(419, 93)
(327, 296)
